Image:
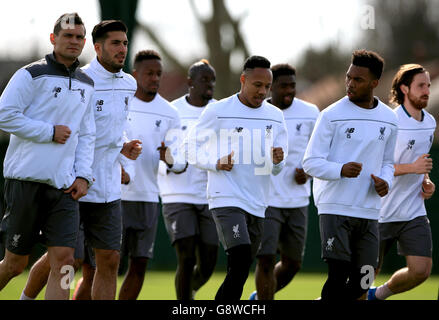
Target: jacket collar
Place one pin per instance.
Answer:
(50, 58)
(104, 73)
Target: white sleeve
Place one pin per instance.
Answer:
(388, 168)
(127, 164)
(86, 144)
(198, 140)
(281, 141)
(173, 141)
(315, 161)
(16, 97)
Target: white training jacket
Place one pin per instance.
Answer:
(300, 118)
(151, 122)
(191, 185)
(344, 133)
(229, 125)
(38, 97)
(404, 201)
(113, 92)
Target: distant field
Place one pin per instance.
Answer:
(306, 286)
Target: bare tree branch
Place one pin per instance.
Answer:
(171, 58)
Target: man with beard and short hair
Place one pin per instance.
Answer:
(156, 122)
(403, 217)
(100, 210)
(186, 213)
(286, 217)
(350, 156)
(241, 140)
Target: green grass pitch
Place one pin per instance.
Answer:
(305, 286)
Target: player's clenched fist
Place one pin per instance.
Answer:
(132, 149)
(423, 164)
(381, 186)
(277, 154)
(225, 163)
(351, 169)
(61, 134)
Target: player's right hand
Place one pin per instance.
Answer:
(61, 134)
(225, 163)
(423, 164)
(300, 176)
(351, 169)
(125, 177)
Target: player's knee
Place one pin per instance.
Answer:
(266, 263)
(292, 265)
(15, 268)
(138, 266)
(420, 273)
(108, 260)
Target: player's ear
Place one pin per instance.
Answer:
(404, 88)
(375, 83)
(52, 38)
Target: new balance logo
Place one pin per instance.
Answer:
(330, 244)
(99, 104)
(349, 132)
(236, 231)
(57, 90)
(382, 130)
(410, 144)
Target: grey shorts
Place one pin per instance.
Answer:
(83, 250)
(32, 207)
(139, 228)
(285, 231)
(349, 239)
(102, 224)
(184, 220)
(413, 237)
(236, 227)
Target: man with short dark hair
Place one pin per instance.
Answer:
(156, 122)
(47, 108)
(350, 156)
(188, 219)
(286, 217)
(100, 211)
(403, 217)
(241, 140)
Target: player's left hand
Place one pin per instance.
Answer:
(381, 186)
(78, 189)
(428, 188)
(165, 155)
(300, 176)
(277, 154)
(132, 149)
